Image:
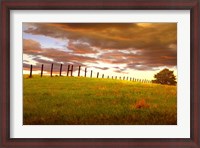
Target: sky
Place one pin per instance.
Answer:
(138, 50)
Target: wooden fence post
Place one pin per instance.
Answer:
(112, 77)
(124, 78)
(97, 74)
(115, 77)
(130, 79)
(31, 71)
(127, 78)
(70, 70)
(91, 74)
(60, 69)
(42, 70)
(51, 69)
(102, 75)
(79, 69)
(108, 77)
(85, 71)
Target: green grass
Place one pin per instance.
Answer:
(91, 101)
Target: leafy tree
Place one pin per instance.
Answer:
(165, 76)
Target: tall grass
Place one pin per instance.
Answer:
(91, 101)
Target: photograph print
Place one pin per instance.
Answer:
(99, 73)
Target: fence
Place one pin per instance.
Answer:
(70, 69)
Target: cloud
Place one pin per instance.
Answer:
(141, 46)
(111, 35)
(31, 46)
(34, 52)
(80, 48)
(102, 68)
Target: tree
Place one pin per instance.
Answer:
(165, 76)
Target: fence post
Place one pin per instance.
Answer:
(124, 78)
(85, 71)
(130, 79)
(60, 69)
(51, 69)
(69, 70)
(127, 78)
(115, 77)
(72, 70)
(42, 70)
(102, 75)
(79, 69)
(112, 77)
(108, 77)
(91, 74)
(31, 71)
(97, 74)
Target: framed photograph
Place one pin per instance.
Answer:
(100, 74)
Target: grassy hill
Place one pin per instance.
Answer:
(91, 101)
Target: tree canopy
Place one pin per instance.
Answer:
(165, 76)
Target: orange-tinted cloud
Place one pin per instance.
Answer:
(31, 46)
(152, 45)
(112, 35)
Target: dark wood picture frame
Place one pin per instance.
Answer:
(192, 5)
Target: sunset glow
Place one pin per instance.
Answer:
(137, 50)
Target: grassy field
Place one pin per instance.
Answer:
(91, 101)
